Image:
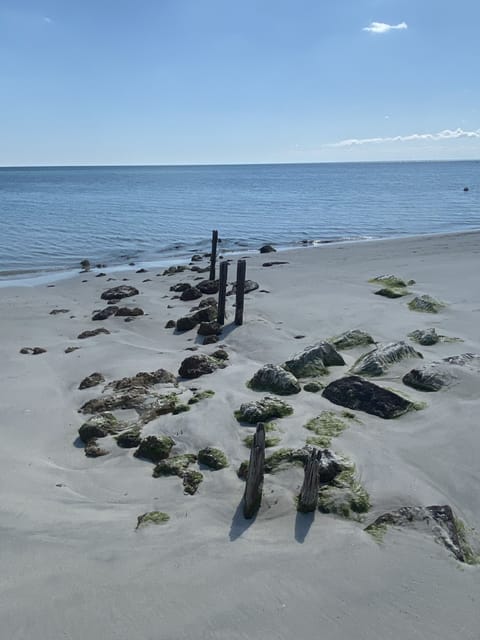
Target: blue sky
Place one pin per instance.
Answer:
(217, 81)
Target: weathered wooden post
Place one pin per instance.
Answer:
(222, 292)
(240, 291)
(308, 498)
(252, 497)
(213, 254)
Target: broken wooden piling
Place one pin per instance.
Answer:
(308, 498)
(222, 292)
(240, 291)
(252, 497)
(213, 254)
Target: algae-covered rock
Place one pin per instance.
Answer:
(356, 393)
(314, 360)
(263, 410)
(92, 333)
(213, 458)
(191, 481)
(377, 362)
(425, 337)
(345, 496)
(201, 395)
(92, 450)
(144, 379)
(325, 426)
(92, 380)
(431, 377)
(99, 426)
(180, 408)
(352, 338)
(389, 281)
(273, 378)
(117, 293)
(436, 520)
(391, 292)
(155, 448)
(313, 387)
(175, 466)
(282, 458)
(425, 304)
(198, 365)
(152, 517)
(129, 439)
(250, 285)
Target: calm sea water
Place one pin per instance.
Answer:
(51, 218)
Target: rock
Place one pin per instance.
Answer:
(100, 275)
(390, 292)
(351, 339)
(54, 312)
(250, 285)
(144, 379)
(92, 380)
(464, 359)
(263, 410)
(175, 466)
(71, 349)
(198, 365)
(92, 450)
(436, 520)
(191, 294)
(425, 304)
(198, 269)
(155, 448)
(274, 263)
(273, 378)
(196, 258)
(171, 324)
(213, 458)
(99, 427)
(220, 354)
(105, 313)
(129, 439)
(356, 393)
(152, 517)
(208, 286)
(209, 329)
(175, 269)
(180, 286)
(203, 304)
(210, 340)
(432, 377)
(33, 351)
(141, 271)
(313, 387)
(85, 264)
(389, 281)
(129, 311)
(425, 337)
(117, 293)
(267, 248)
(378, 361)
(92, 333)
(344, 495)
(314, 360)
(186, 323)
(191, 481)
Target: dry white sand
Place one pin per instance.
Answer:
(72, 564)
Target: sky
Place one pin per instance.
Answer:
(250, 81)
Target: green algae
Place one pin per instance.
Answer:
(180, 408)
(174, 466)
(469, 554)
(152, 517)
(263, 410)
(389, 281)
(270, 441)
(326, 426)
(313, 387)
(213, 458)
(426, 304)
(344, 496)
(191, 481)
(201, 395)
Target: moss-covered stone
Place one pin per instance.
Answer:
(326, 426)
(155, 448)
(270, 441)
(263, 410)
(191, 481)
(313, 387)
(180, 408)
(391, 292)
(273, 378)
(314, 360)
(152, 517)
(174, 466)
(99, 426)
(389, 281)
(345, 496)
(242, 470)
(282, 458)
(352, 338)
(425, 304)
(201, 395)
(130, 438)
(213, 458)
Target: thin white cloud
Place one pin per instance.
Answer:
(382, 27)
(446, 134)
(47, 20)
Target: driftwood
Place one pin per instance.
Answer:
(240, 291)
(213, 255)
(222, 292)
(252, 497)
(308, 498)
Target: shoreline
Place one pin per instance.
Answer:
(38, 278)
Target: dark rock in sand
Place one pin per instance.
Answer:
(129, 439)
(196, 258)
(312, 387)
(273, 378)
(209, 329)
(425, 304)
(391, 292)
(129, 311)
(425, 337)
(274, 263)
(263, 410)
(92, 380)
(220, 354)
(144, 379)
(267, 248)
(180, 286)
(175, 269)
(192, 293)
(198, 365)
(186, 323)
(92, 450)
(208, 287)
(202, 314)
(210, 340)
(100, 275)
(54, 312)
(99, 427)
(117, 293)
(438, 520)
(472, 359)
(314, 360)
(250, 285)
(191, 481)
(154, 448)
(198, 269)
(356, 393)
(85, 264)
(71, 349)
(174, 466)
(92, 333)
(141, 271)
(205, 303)
(32, 351)
(432, 377)
(105, 313)
(351, 339)
(171, 324)
(378, 361)
(213, 458)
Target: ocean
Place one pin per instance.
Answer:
(53, 217)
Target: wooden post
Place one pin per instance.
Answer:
(213, 255)
(240, 291)
(308, 498)
(222, 292)
(252, 497)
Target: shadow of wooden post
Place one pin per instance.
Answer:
(308, 498)
(240, 291)
(252, 498)
(222, 292)
(213, 254)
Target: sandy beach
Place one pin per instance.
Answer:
(75, 565)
